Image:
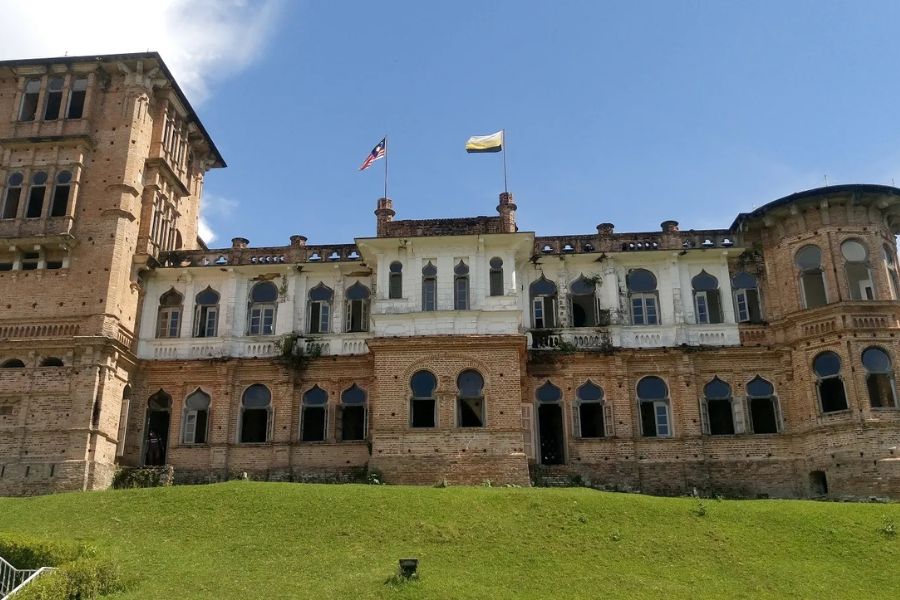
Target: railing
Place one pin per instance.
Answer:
(648, 336)
(13, 580)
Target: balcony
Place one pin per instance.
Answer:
(35, 228)
(634, 336)
(264, 346)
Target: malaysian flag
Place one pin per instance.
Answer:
(376, 153)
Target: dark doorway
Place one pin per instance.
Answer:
(157, 439)
(818, 483)
(550, 422)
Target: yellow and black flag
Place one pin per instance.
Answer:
(485, 143)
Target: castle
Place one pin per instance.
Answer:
(752, 360)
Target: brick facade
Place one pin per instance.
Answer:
(313, 380)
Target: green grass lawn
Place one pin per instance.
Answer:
(271, 540)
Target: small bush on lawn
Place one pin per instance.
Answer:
(144, 477)
(77, 580)
(24, 552)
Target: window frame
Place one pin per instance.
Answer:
(262, 314)
(270, 416)
(657, 404)
(168, 316)
(187, 422)
(432, 398)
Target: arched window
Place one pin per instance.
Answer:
(856, 267)
(320, 298)
(653, 397)
(590, 420)
(543, 303)
(643, 297)
(707, 304)
(746, 298)
(718, 412)
(256, 415)
(470, 399)
(395, 281)
(496, 276)
(13, 195)
(313, 419)
(763, 406)
(429, 287)
(206, 313)
(262, 309)
(36, 193)
(583, 300)
(829, 382)
(879, 378)
(168, 316)
(461, 286)
(13, 363)
(812, 280)
(423, 404)
(357, 307)
(53, 101)
(353, 414)
(52, 361)
(196, 418)
(60, 202)
(156, 437)
(890, 263)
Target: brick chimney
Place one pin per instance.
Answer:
(507, 209)
(239, 242)
(384, 214)
(605, 229)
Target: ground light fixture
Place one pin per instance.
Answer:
(408, 567)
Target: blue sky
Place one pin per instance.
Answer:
(629, 112)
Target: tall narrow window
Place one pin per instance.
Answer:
(60, 203)
(168, 318)
(54, 98)
(543, 303)
(856, 267)
(36, 194)
(880, 381)
(707, 305)
(313, 418)
(719, 413)
(470, 400)
(357, 308)
(76, 98)
(642, 296)
(653, 397)
(746, 298)
(496, 276)
(461, 286)
(196, 418)
(429, 287)
(812, 280)
(262, 309)
(423, 404)
(256, 415)
(156, 430)
(890, 263)
(206, 313)
(12, 196)
(320, 298)
(395, 281)
(829, 383)
(763, 406)
(551, 432)
(28, 108)
(591, 422)
(353, 414)
(583, 301)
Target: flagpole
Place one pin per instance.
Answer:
(385, 165)
(503, 141)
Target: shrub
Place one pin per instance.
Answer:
(24, 552)
(144, 477)
(76, 580)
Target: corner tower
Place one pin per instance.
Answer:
(102, 161)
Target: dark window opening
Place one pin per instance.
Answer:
(52, 361)
(818, 483)
(196, 413)
(429, 287)
(36, 194)
(881, 390)
(721, 419)
(395, 281)
(54, 264)
(423, 404)
(762, 415)
(28, 110)
(313, 424)
(831, 391)
(54, 98)
(353, 419)
(60, 203)
(543, 295)
(461, 286)
(13, 363)
(5, 266)
(648, 419)
(13, 194)
(590, 416)
(422, 412)
(496, 276)
(156, 440)
(76, 98)
(254, 425)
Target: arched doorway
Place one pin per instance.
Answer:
(156, 432)
(550, 425)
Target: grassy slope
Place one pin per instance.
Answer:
(269, 540)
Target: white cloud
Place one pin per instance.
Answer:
(202, 41)
(205, 232)
(217, 209)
